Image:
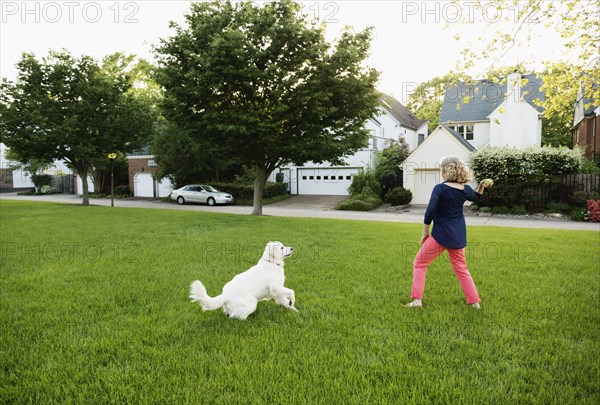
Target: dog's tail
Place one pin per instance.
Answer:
(198, 294)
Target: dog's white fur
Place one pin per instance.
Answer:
(261, 282)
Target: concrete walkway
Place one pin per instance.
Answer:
(321, 210)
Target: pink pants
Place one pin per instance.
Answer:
(431, 250)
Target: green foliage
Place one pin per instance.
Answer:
(46, 189)
(245, 192)
(389, 171)
(258, 83)
(507, 195)
(398, 196)
(579, 214)
(40, 180)
(501, 210)
(355, 204)
(364, 182)
(427, 98)
(72, 109)
(560, 207)
(518, 210)
(533, 165)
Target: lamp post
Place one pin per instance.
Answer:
(111, 157)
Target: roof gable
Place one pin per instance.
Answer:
(456, 138)
(400, 112)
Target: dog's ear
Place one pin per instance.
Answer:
(269, 253)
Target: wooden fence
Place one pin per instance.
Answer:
(564, 189)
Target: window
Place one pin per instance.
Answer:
(303, 177)
(311, 177)
(325, 177)
(465, 130)
(348, 177)
(421, 138)
(469, 132)
(340, 177)
(318, 177)
(374, 143)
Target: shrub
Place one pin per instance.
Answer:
(533, 165)
(241, 192)
(518, 210)
(507, 195)
(122, 190)
(501, 210)
(46, 189)
(354, 205)
(554, 206)
(593, 207)
(365, 201)
(580, 198)
(364, 179)
(398, 196)
(485, 209)
(578, 214)
(40, 180)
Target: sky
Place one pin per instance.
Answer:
(414, 41)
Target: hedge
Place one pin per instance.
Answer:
(246, 191)
(533, 165)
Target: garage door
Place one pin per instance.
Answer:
(424, 181)
(325, 181)
(143, 185)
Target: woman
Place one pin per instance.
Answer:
(445, 210)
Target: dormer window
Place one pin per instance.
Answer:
(465, 130)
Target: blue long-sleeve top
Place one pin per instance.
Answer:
(445, 209)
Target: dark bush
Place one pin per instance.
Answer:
(518, 210)
(501, 210)
(122, 190)
(41, 180)
(246, 191)
(507, 195)
(398, 196)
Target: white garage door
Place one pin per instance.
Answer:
(424, 181)
(143, 185)
(325, 181)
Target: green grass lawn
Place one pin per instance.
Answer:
(94, 309)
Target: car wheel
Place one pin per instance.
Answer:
(210, 201)
(180, 200)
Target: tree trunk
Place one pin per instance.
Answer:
(259, 185)
(84, 187)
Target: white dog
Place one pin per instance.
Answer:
(261, 282)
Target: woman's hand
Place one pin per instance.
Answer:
(424, 238)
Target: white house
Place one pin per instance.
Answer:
(392, 122)
(18, 180)
(495, 115)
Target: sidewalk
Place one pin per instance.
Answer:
(411, 215)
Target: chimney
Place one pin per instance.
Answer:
(512, 128)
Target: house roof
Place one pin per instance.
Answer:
(400, 112)
(460, 138)
(484, 97)
(145, 151)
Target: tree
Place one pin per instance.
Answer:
(71, 109)
(258, 84)
(389, 161)
(427, 99)
(576, 21)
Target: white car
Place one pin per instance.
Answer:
(200, 193)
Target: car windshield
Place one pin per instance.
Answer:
(211, 189)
